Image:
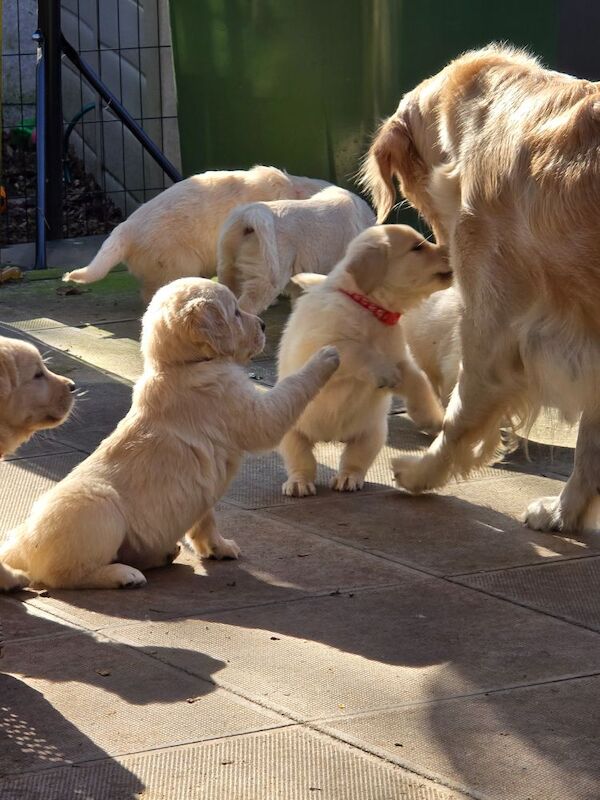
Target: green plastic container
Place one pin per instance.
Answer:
(302, 84)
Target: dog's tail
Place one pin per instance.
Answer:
(113, 251)
(248, 259)
(11, 575)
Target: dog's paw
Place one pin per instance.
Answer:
(225, 548)
(11, 580)
(544, 514)
(347, 482)
(298, 487)
(390, 378)
(329, 358)
(411, 474)
(128, 577)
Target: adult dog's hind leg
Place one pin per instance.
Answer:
(208, 542)
(567, 511)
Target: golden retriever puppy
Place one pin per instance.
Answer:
(432, 331)
(386, 270)
(32, 397)
(175, 234)
(263, 244)
(158, 476)
(502, 157)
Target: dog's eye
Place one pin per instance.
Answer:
(39, 374)
(418, 246)
(237, 312)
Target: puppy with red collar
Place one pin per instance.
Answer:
(386, 270)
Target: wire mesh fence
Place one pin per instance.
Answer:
(106, 172)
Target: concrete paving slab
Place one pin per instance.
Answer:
(367, 649)
(23, 480)
(82, 697)
(534, 743)
(568, 590)
(471, 526)
(278, 563)
(19, 620)
(284, 764)
(114, 298)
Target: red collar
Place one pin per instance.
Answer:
(380, 313)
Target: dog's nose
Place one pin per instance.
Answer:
(72, 385)
(262, 324)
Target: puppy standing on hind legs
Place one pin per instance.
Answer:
(159, 474)
(386, 270)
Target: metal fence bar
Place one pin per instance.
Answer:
(120, 110)
(40, 216)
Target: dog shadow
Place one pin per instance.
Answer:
(36, 734)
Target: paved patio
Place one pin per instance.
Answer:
(367, 647)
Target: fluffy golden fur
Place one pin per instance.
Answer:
(395, 268)
(158, 476)
(502, 157)
(175, 234)
(31, 396)
(262, 245)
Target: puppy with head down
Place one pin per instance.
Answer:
(32, 398)
(158, 476)
(263, 244)
(386, 270)
(175, 234)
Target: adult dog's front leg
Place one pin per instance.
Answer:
(470, 436)
(574, 509)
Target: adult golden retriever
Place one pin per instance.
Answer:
(159, 474)
(502, 157)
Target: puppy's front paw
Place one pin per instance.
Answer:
(389, 378)
(225, 548)
(128, 577)
(411, 474)
(11, 580)
(329, 358)
(298, 487)
(543, 514)
(348, 482)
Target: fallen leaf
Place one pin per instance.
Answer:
(103, 672)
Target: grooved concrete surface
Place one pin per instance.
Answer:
(364, 647)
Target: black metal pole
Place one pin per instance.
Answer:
(119, 110)
(52, 132)
(40, 102)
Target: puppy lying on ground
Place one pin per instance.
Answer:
(31, 399)
(502, 157)
(159, 475)
(174, 235)
(386, 270)
(263, 244)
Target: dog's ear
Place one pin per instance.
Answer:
(367, 261)
(208, 324)
(8, 374)
(392, 154)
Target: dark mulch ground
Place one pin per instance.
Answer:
(86, 210)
